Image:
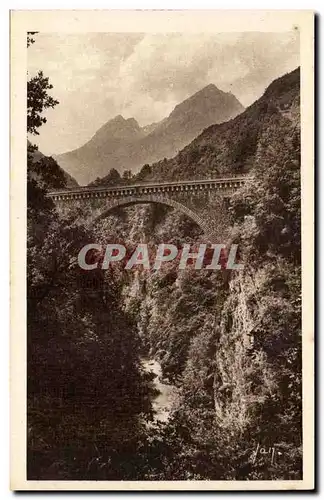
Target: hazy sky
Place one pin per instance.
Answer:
(97, 75)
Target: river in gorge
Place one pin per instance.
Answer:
(163, 401)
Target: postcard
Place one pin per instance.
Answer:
(162, 250)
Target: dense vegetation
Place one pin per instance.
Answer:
(230, 342)
(88, 396)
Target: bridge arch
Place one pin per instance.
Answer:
(203, 223)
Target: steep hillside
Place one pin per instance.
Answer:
(48, 162)
(232, 147)
(232, 341)
(123, 145)
(209, 105)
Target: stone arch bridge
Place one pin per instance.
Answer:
(194, 198)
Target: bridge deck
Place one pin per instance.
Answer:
(206, 183)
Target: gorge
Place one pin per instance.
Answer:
(224, 345)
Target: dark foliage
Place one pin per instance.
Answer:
(230, 343)
(38, 100)
(87, 395)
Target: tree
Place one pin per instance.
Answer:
(30, 39)
(87, 395)
(127, 175)
(38, 100)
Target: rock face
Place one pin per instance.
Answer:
(122, 144)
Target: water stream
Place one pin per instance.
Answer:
(163, 402)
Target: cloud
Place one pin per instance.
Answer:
(98, 75)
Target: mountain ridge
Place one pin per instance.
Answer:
(233, 146)
(122, 144)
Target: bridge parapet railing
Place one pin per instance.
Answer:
(155, 184)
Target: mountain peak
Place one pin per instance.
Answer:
(209, 87)
(117, 119)
(131, 121)
(122, 144)
(212, 101)
(120, 121)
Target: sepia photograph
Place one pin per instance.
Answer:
(161, 191)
